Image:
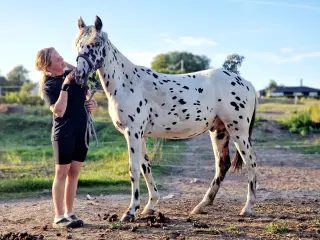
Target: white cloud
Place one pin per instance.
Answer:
(143, 58)
(190, 41)
(272, 57)
(284, 4)
(286, 50)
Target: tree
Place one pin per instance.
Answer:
(233, 62)
(18, 76)
(272, 84)
(3, 81)
(171, 62)
(28, 87)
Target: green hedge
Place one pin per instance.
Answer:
(22, 98)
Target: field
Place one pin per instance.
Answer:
(288, 182)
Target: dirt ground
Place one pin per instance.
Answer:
(288, 201)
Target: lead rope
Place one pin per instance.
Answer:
(89, 126)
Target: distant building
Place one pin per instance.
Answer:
(283, 91)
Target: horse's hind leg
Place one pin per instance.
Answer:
(147, 173)
(220, 143)
(244, 147)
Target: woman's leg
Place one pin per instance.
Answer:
(71, 186)
(63, 155)
(58, 189)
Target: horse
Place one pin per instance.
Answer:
(145, 103)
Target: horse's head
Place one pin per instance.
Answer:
(90, 45)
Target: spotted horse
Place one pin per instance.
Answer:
(144, 103)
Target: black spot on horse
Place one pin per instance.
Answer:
(241, 105)
(136, 135)
(235, 122)
(175, 97)
(182, 102)
(248, 88)
(234, 104)
(185, 87)
(238, 98)
(144, 168)
(136, 194)
(227, 73)
(240, 117)
(127, 76)
(233, 83)
(220, 136)
(131, 118)
(138, 110)
(140, 103)
(219, 100)
(168, 128)
(131, 90)
(132, 150)
(184, 110)
(174, 123)
(155, 75)
(200, 90)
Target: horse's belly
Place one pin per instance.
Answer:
(178, 131)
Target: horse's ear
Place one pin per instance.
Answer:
(98, 23)
(81, 23)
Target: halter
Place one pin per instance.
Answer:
(92, 69)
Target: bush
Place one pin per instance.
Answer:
(314, 111)
(302, 123)
(22, 98)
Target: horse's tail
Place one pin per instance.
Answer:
(237, 160)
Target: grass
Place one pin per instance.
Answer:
(27, 164)
(303, 117)
(284, 105)
(278, 227)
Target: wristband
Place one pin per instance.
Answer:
(65, 87)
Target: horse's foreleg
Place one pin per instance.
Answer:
(135, 151)
(152, 189)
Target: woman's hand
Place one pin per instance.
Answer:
(91, 105)
(69, 77)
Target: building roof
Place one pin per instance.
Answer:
(294, 89)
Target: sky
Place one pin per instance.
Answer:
(280, 40)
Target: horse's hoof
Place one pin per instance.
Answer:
(148, 212)
(195, 211)
(127, 218)
(246, 212)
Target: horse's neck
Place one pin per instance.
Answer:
(117, 69)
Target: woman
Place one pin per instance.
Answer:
(68, 102)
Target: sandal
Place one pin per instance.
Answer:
(76, 221)
(62, 224)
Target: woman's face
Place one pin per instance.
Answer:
(57, 64)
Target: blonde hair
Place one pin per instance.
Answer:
(43, 60)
